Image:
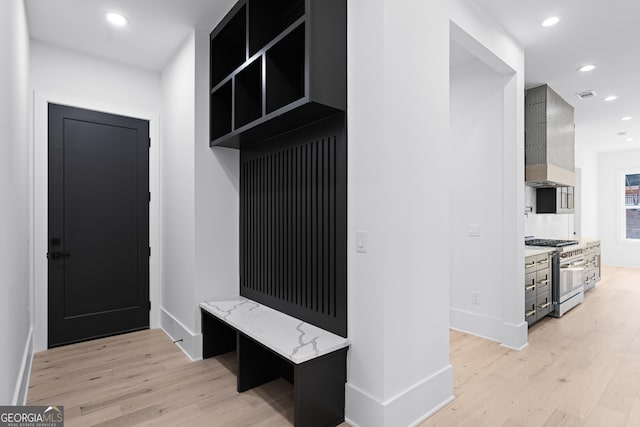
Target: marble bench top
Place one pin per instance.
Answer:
(291, 338)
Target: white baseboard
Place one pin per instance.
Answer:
(189, 343)
(507, 334)
(22, 385)
(409, 408)
(361, 409)
(475, 324)
(515, 337)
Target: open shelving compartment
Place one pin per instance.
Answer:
(268, 19)
(285, 74)
(221, 102)
(248, 94)
(293, 72)
(228, 47)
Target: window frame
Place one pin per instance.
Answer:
(624, 207)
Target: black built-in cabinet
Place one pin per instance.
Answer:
(276, 65)
(278, 92)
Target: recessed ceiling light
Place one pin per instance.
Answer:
(629, 139)
(587, 67)
(116, 19)
(551, 21)
(623, 133)
(626, 118)
(611, 98)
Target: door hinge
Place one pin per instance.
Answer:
(149, 142)
(149, 305)
(149, 196)
(149, 250)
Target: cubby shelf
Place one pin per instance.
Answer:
(229, 44)
(248, 94)
(270, 18)
(276, 65)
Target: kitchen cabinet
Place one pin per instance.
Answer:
(276, 65)
(560, 200)
(537, 287)
(591, 273)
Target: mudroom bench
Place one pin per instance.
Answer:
(270, 345)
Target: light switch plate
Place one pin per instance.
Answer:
(361, 241)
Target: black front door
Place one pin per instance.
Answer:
(98, 224)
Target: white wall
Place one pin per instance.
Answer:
(217, 199)
(477, 189)
(177, 182)
(473, 29)
(398, 291)
(582, 224)
(15, 318)
(616, 250)
(548, 226)
(200, 199)
(587, 196)
(399, 167)
(70, 78)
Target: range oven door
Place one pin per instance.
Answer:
(571, 281)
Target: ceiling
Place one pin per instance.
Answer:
(590, 31)
(604, 33)
(156, 30)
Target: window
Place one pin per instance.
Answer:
(631, 206)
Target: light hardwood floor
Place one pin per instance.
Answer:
(143, 379)
(581, 370)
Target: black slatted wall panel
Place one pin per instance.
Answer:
(293, 224)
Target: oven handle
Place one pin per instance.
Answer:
(574, 264)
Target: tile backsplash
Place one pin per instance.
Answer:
(549, 226)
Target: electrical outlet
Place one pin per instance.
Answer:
(475, 298)
(473, 230)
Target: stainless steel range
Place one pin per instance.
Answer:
(553, 243)
(568, 265)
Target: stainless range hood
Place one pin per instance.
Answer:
(549, 139)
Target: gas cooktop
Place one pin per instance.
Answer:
(552, 243)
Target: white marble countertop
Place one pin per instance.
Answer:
(537, 251)
(292, 338)
(586, 240)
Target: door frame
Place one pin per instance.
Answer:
(40, 201)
